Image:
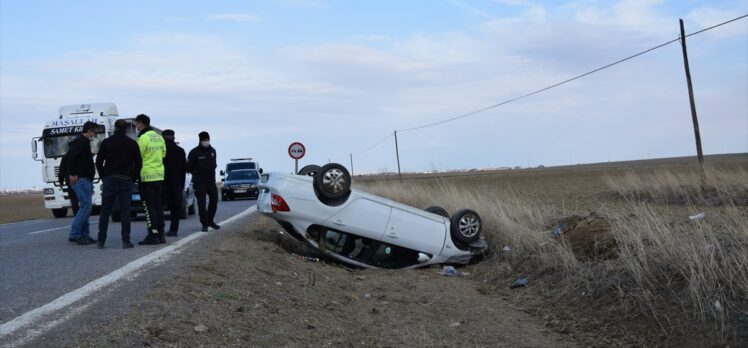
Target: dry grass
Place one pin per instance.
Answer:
(14, 208)
(664, 264)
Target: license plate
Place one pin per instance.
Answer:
(240, 191)
(135, 197)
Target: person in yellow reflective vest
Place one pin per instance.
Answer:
(152, 150)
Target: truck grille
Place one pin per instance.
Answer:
(57, 171)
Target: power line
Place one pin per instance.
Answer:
(548, 87)
(565, 81)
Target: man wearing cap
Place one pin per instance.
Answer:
(79, 166)
(152, 151)
(175, 168)
(201, 162)
(119, 165)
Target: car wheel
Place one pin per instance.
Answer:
(438, 211)
(465, 226)
(60, 213)
(333, 182)
(310, 170)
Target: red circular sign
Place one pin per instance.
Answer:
(296, 150)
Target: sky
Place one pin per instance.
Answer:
(339, 76)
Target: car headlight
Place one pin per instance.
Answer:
(49, 191)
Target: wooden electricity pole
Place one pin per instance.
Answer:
(397, 153)
(696, 132)
(351, 163)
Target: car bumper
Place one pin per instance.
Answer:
(249, 192)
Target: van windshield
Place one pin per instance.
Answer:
(240, 165)
(243, 175)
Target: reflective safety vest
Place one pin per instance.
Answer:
(153, 151)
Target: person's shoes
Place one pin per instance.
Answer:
(100, 244)
(73, 240)
(83, 241)
(151, 239)
(204, 229)
(91, 240)
(127, 245)
(214, 226)
(171, 234)
(161, 240)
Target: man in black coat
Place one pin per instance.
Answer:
(119, 164)
(66, 187)
(79, 166)
(201, 162)
(175, 168)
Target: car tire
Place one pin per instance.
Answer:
(60, 213)
(333, 182)
(435, 209)
(310, 170)
(116, 216)
(465, 226)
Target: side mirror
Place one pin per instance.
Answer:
(223, 180)
(223, 173)
(34, 149)
(261, 171)
(423, 258)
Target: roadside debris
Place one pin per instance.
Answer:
(519, 283)
(450, 271)
(311, 259)
(698, 216)
(201, 328)
(556, 232)
(507, 248)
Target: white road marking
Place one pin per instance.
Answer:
(126, 272)
(57, 228)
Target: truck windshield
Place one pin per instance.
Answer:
(57, 146)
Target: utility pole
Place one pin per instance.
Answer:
(351, 163)
(696, 132)
(397, 153)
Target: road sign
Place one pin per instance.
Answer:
(296, 150)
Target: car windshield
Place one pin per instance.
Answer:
(243, 175)
(57, 146)
(240, 165)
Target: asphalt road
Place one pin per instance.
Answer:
(38, 264)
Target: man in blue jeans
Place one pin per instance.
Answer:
(119, 164)
(80, 169)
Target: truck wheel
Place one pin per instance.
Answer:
(333, 182)
(438, 211)
(60, 213)
(465, 226)
(310, 170)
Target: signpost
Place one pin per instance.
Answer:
(296, 150)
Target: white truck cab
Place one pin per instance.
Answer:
(55, 138)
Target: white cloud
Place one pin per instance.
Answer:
(234, 17)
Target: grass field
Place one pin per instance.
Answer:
(14, 208)
(626, 244)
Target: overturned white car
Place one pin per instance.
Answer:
(318, 207)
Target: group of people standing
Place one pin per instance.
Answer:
(155, 162)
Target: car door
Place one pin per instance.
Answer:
(415, 232)
(362, 217)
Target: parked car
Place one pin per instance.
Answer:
(136, 203)
(363, 229)
(240, 184)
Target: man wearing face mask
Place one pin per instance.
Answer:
(79, 166)
(152, 151)
(201, 163)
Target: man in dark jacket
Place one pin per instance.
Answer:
(66, 187)
(79, 166)
(201, 162)
(119, 164)
(175, 168)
